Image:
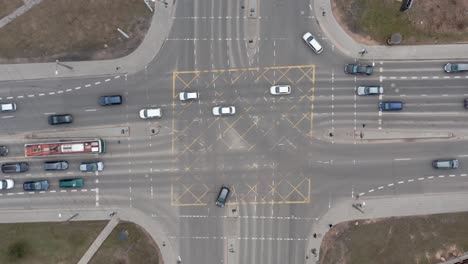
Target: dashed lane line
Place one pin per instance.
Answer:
(412, 180)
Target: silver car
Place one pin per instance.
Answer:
(92, 166)
(369, 90)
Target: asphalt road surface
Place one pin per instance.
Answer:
(286, 159)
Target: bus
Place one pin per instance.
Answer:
(65, 147)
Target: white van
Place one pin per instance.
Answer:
(11, 107)
(312, 42)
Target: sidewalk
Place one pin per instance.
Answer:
(168, 250)
(349, 47)
(99, 240)
(136, 61)
(382, 207)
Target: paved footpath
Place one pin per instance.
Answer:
(377, 207)
(136, 61)
(151, 225)
(346, 45)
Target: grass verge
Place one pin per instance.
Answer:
(420, 239)
(44, 243)
(138, 248)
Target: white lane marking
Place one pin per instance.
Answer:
(399, 159)
(77, 88)
(400, 182)
(41, 94)
(9, 97)
(371, 190)
(31, 95)
(380, 187)
(96, 83)
(463, 175)
(51, 93)
(441, 176)
(420, 179)
(20, 96)
(390, 184)
(51, 113)
(97, 197)
(464, 155)
(106, 80)
(451, 175)
(430, 177)
(90, 110)
(116, 77)
(5, 117)
(68, 90)
(60, 92)
(53, 191)
(411, 180)
(88, 85)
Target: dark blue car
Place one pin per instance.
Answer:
(110, 100)
(390, 106)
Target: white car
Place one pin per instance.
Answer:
(150, 113)
(11, 107)
(369, 90)
(6, 184)
(280, 89)
(312, 42)
(184, 96)
(224, 110)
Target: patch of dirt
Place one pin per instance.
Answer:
(427, 22)
(448, 16)
(70, 30)
(8, 6)
(427, 239)
(344, 11)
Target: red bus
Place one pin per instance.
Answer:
(65, 147)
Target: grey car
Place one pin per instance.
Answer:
(455, 67)
(56, 165)
(3, 150)
(36, 185)
(446, 164)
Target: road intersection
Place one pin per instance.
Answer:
(288, 160)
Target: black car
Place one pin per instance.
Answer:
(56, 165)
(110, 100)
(358, 69)
(222, 196)
(36, 186)
(15, 167)
(3, 150)
(60, 119)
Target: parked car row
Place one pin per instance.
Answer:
(42, 185)
(16, 167)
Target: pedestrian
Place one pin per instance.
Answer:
(323, 13)
(330, 225)
(117, 68)
(112, 214)
(315, 235)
